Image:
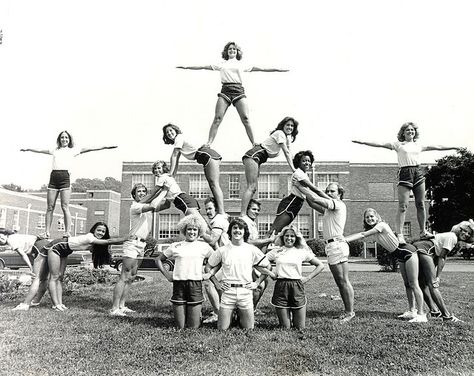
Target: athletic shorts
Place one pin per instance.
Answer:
(337, 252)
(38, 248)
(59, 246)
(184, 202)
(288, 293)
(187, 292)
(237, 297)
(410, 176)
(425, 247)
(133, 248)
(291, 205)
(232, 92)
(204, 154)
(404, 252)
(257, 153)
(59, 180)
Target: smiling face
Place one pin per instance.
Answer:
(140, 193)
(64, 140)
(289, 238)
(332, 191)
(465, 233)
(305, 163)
(232, 51)
(289, 127)
(158, 169)
(192, 233)
(371, 218)
(409, 133)
(237, 232)
(100, 231)
(253, 211)
(210, 210)
(170, 133)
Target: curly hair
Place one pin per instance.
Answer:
(100, 252)
(166, 139)
(58, 140)
(241, 224)
(163, 164)
(401, 136)
(299, 156)
(466, 224)
(377, 215)
(134, 189)
(299, 242)
(225, 54)
(282, 123)
(191, 220)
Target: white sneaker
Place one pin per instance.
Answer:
(419, 318)
(63, 307)
(34, 304)
(127, 310)
(117, 312)
(21, 307)
(212, 318)
(408, 315)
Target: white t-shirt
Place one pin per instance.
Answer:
(238, 262)
(444, 240)
(231, 71)
(186, 149)
(188, 259)
(81, 242)
(140, 223)
(299, 175)
(272, 144)
(220, 223)
(170, 184)
(63, 158)
(253, 229)
(408, 153)
(386, 237)
(334, 219)
(289, 261)
(22, 242)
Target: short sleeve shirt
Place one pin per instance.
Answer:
(334, 219)
(408, 153)
(63, 158)
(253, 229)
(81, 242)
(140, 223)
(21, 242)
(168, 182)
(289, 261)
(444, 240)
(188, 259)
(231, 71)
(386, 237)
(272, 144)
(298, 175)
(187, 150)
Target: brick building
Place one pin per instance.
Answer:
(366, 185)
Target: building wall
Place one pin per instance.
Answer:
(366, 185)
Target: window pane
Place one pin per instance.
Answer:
(234, 186)
(268, 187)
(303, 224)
(167, 225)
(198, 187)
(264, 223)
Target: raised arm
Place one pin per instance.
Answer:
(87, 150)
(289, 158)
(374, 144)
(440, 147)
(195, 67)
(174, 161)
(257, 69)
(40, 151)
(156, 203)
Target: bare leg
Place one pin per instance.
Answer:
(280, 221)
(193, 315)
(419, 193)
(54, 263)
(221, 108)
(179, 311)
(409, 271)
(65, 197)
(246, 318)
(283, 317)
(211, 170)
(252, 172)
(51, 198)
(129, 265)
(299, 318)
(340, 272)
(403, 197)
(213, 296)
(40, 268)
(243, 110)
(225, 317)
(59, 288)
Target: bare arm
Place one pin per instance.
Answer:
(318, 269)
(195, 67)
(174, 161)
(374, 144)
(159, 263)
(360, 235)
(260, 243)
(87, 150)
(212, 237)
(25, 258)
(257, 69)
(157, 203)
(288, 156)
(40, 151)
(212, 270)
(440, 147)
(118, 240)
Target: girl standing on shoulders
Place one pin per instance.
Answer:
(59, 180)
(279, 140)
(232, 92)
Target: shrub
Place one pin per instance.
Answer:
(81, 276)
(356, 248)
(385, 259)
(317, 246)
(9, 288)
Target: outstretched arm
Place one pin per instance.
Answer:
(288, 156)
(360, 235)
(374, 144)
(440, 147)
(87, 150)
(195, 67)
(257, 69)
(174, 161)
(40, 151)
(118, 240)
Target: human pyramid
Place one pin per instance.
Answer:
(236, 262)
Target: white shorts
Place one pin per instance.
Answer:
(133, 249)
(337, 252)
(237, 297)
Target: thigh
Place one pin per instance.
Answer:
(419, 193)
(242, 107)
(224, 318)
(52, 196)
(246, 318)
(54, 262)
(403, 194)
(252, 170)
(221, 106)
(65, 195)
(427, 267)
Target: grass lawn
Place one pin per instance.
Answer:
(86, 341)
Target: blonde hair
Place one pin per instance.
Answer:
(469, 224)
(299, 242)
(191, 220)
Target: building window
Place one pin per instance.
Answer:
(320, 227)
(16, 220)
(264, 223)
(41, 225)
(407, 229)
(167, 225)
(234, 186)
(322, 180)
(198, 187)
(81, 227)
(61, 224)
(148, 180)
(3, 217)
(268, 186)
(302, 222)
(99, 212)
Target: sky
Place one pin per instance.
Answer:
(105, 71)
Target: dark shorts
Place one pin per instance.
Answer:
(257, 153)
(404, 252)
(288, 293)
(38, 248)
(204, 155)
(291, 205)
(426, 247)
(59, 246)
(184, 202)
(187, 292)
(59, 180)
(410, 176)
(232, 92)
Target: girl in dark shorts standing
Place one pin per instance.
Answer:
(279, 140)
(209, 158)
(59, 181)
(410, 175)
(288, 295)
(97, 241)
(232, 92)
(406, 255)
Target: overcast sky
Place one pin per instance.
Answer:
(105, 71)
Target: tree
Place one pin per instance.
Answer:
(13, 187)
(84, 184)
(450, 187)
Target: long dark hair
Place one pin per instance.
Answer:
(100, 252)
(58, 140)
(282, 123)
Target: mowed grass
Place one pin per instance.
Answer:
(86, 341)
